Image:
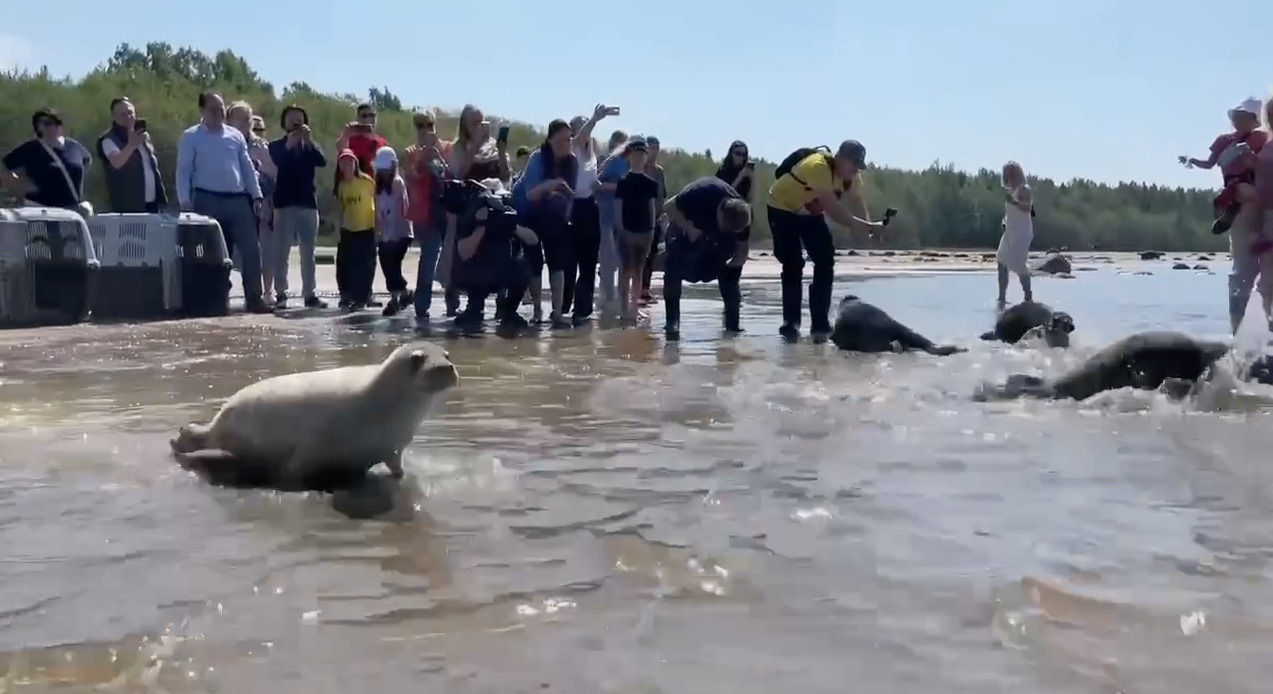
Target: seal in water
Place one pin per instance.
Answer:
(320, 430)
(1146, 361)
(862, 327)
(1031, 319)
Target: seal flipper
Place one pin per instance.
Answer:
(1177, 388)
(909, 339)
(989, 336)
(190, 438)
(1017, 386)
(225, 469)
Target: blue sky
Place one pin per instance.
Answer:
(1103, 89)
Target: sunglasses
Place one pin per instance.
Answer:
(366, 114)
(47, 122)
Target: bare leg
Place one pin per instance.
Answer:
(625, 287)
(638, 285)
(1003, 284)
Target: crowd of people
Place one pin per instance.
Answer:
(593, 215)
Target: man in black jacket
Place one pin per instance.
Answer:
(133, 179)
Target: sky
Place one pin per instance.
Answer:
(1110, 90)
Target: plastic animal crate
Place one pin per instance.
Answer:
(140, 275)
(55, 282)
(205, 266)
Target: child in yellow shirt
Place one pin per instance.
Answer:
(356, 250)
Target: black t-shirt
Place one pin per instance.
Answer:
(637, 191)
(700, 200)
(33, 161)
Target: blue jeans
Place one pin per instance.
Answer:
(430, 249)
(608, 249)
(238, 223)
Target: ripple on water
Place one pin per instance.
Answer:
(596, 511)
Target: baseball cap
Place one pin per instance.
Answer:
(386, 158)
(854, 152)
(636, 142)
(652, 140)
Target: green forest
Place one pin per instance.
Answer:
(940, 206)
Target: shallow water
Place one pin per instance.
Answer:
(602, 512)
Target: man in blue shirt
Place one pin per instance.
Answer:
(298, 159)
(215, 178)
(706, 241)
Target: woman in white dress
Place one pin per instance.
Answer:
(1018, 232)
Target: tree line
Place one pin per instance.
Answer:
(940, 206)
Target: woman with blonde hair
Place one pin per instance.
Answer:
(1018, 232)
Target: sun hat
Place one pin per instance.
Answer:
(1249, 105)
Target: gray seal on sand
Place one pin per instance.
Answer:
(1146, 361)
(862, 327)
(319, 430)
(1030, 319)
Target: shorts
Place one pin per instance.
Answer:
(634, 247)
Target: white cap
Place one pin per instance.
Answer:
(386, 158)
(1252, 106)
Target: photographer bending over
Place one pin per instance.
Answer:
(706, 241)
(490, 253)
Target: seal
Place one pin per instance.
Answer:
(1146, 361)
(1030, 319)
(320, 430)
(862, 327)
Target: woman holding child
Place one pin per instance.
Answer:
(1253, 231)
(1237, 154)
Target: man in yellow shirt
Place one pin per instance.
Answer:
(800, 201)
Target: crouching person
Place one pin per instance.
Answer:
(708, 224)
(491, 257)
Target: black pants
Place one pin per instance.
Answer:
(727, 280)
(555, 247)
(391, 255)
(649, 261)
(355, 264)
(585, 236)
(793, 234)
(508, 296)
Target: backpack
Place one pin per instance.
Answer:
(796, 157)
